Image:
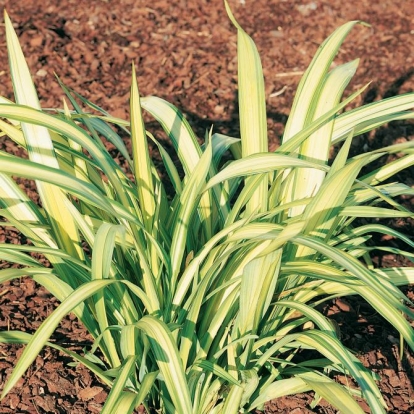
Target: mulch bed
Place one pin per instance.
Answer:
(185, 52)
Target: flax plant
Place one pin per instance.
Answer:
(200, 303)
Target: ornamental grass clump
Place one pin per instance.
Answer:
(201, 302)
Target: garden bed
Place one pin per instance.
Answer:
(187, 55)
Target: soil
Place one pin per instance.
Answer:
(185, 52)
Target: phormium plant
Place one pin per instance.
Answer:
(200, 303)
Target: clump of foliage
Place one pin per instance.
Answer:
(200, 303)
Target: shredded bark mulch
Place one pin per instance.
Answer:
(185, 52)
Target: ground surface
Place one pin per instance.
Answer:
(185, 51)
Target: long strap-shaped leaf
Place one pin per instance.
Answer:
(43, 333)
(40, 148)
(316, 148)
(332, 392)
(18, 337)
(20, 167)
(252, 108)
(168, 360)
(143, 168)
(317, 93)
(141, 159)
(333, 349)
(310, 84)
(373, 115)
(260, 164)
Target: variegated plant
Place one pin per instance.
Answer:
(200, 303)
